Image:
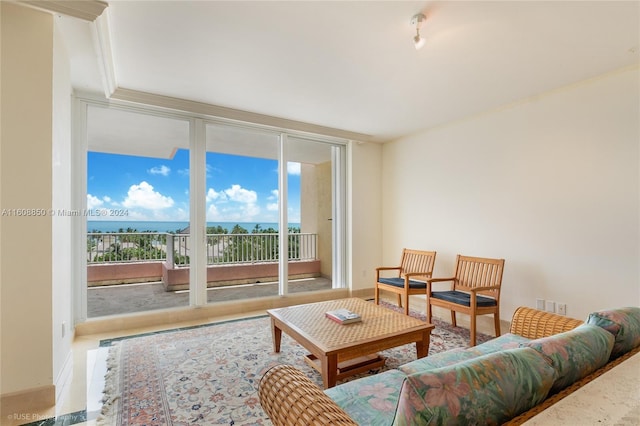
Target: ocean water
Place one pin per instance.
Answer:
(156, 226)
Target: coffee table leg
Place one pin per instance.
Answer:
(329, 365)
(422, 346)
(276, 334)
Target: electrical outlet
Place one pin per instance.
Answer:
(540, 304)
(550, 306)
(562, 308)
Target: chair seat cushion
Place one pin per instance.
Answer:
(399, 282)
(461, 298)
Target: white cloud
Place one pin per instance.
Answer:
(93, 202)
(273, 207)
(293, 168)
(161, 170)
(212, 195)
(179, 214)
(234, 204)
(246, 213)
(175, 214)
(241, 195)
(144, 196)
(213, 215)
(107, 199)
(250, 211)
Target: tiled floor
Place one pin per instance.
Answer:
(139, 297)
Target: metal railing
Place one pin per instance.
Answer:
(174, 249)
(119, 247)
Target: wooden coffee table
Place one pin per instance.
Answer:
(341, 350)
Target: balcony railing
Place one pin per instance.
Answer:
(174, 249)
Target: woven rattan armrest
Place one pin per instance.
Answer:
(534, 324)
(290, 398)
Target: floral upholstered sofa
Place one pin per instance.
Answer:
(505, 380)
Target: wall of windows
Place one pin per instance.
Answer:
(184, 210)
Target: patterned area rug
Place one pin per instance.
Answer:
(209, 375)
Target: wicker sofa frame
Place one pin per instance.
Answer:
(290, 398)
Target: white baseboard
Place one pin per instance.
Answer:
(63, 381)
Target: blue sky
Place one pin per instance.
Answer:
(239, 189)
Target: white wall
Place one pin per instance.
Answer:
(365, 215)
(61, 225)
(551, 184)
(25, 183)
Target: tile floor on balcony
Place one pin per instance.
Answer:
(140, 297)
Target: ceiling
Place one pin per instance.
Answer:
(117, 131)
(351, 65)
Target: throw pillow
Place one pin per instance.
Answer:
(623, 323)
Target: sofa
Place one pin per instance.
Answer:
(506, 380)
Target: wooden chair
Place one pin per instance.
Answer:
(415, 268)
(475, 290)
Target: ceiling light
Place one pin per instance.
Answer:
(417, 21)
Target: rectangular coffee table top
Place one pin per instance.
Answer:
(378, 323)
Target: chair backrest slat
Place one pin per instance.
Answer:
(417, 261)
(478, 272)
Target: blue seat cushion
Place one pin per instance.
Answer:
(461, 298)
(399, 282)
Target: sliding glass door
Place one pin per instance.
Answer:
(184, 210)
(314, 251)
(137, 209)
(242, 212)
(269, 212)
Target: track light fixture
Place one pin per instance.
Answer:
(417, 20)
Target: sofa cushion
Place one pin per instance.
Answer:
(491, 388)
(623, 323)
(370, 400)
(438, 360)
(575, 353)
(453, 356)
(506, 341)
